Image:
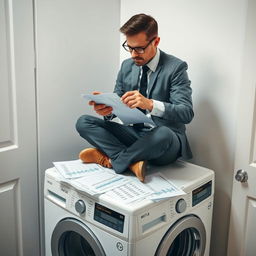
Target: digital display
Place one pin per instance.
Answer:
(109, 217)
(201, 193)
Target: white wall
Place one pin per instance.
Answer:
(209, 36)
(77, 52)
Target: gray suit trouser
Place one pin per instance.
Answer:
(125, 145)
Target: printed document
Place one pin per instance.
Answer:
(161, 187)
(156, 187)
(90, 178)
(124, 113)
(99, 183)
(76, 168)
(130, 192)
(94, 179)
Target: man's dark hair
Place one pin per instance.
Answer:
(140, 23)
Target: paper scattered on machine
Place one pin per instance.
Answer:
(95, 179)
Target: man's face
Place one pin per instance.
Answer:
(140, 40)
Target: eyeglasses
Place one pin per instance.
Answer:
(136, 49)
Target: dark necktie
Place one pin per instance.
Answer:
(144, 84)
(143, 90)
(144, 81)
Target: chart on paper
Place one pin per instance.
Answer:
(76, 168)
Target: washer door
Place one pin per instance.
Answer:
(186, 237)
(72, 238)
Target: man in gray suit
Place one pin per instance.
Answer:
(157, 84)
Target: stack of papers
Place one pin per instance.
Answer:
(90, 178)
(95, 179)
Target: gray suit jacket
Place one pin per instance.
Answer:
(169, 84)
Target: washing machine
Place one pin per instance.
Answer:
(77, 224)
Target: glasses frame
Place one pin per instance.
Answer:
(139, 49)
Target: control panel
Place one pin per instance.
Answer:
(92, 211)
(108, 217)
(201, 193)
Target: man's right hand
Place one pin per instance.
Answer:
(100, 109)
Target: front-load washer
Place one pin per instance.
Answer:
(79, 224)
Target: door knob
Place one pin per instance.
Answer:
(241, 176)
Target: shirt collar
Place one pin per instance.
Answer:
(154, 62)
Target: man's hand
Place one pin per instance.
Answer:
(133, 99)
(100, 109)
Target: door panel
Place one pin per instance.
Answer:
(9, 202)
(250, 228)
(7, 81)
(19, 227)
(243, 209)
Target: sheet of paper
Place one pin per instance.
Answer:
(100, 182)
(76, 168)
(90, 178)
(162, 188)
(124, 113)
(130, 192)
(155, 188)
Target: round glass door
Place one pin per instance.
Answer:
(72, 238)
(186, 237)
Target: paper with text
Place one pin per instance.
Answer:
(130, 192)
(156, 187)
(162, 187)
(76, 168)
(100, 182)
(124, 113)
(95, 179)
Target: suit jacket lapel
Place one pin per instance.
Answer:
(135, 77)
(153, 77)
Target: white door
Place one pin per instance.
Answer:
(19, 234)
(242, 235)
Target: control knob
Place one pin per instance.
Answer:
(181, 206)
(80, 206)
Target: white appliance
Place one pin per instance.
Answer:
(77, 224)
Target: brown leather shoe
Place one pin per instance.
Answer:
(139, 169)
(93, 155)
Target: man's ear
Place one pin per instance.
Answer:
(157, 41)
